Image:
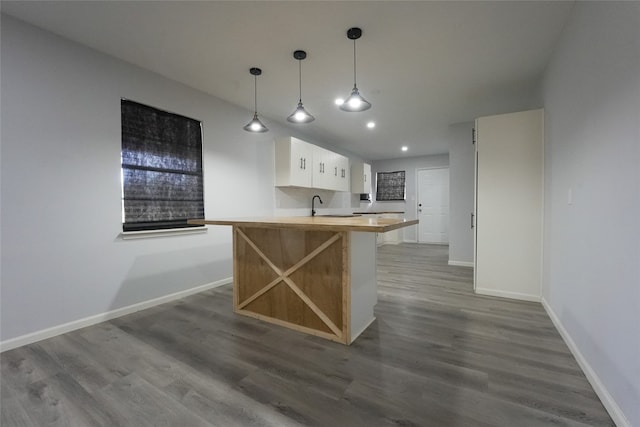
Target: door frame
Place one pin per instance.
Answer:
(418, 199)
(474, 214)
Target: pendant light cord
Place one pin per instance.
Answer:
(300, 78)
(255, 94)
(354, 63)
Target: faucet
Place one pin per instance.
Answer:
(313, 210)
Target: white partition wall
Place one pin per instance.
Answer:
(509, 205)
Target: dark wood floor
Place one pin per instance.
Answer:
(438, 355)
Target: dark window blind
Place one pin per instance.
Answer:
(390, 186)
(162, 181)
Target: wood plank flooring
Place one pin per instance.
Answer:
(438, 355)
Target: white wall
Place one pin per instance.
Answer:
(62, 259)
(591, 279)
(461, 189)
(409, 165)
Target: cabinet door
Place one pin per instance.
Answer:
(322, 169)
(366, 176)
(394, 236)
(300, 163)
(334, 173)
(343, 173)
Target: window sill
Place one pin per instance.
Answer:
(147, 234)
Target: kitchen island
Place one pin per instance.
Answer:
(313, 274)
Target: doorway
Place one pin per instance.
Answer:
(433, 205)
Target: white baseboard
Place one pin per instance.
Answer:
(607, 400)
(103, 317)
(390, 242)
(461, 263)
(507, 294)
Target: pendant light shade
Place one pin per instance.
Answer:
(355, 102)
(300, 115)
(255, 125)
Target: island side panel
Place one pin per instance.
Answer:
(292, 277)
(364, 283)
(235, 267)
(346, 287)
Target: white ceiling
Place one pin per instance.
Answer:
(423, 65)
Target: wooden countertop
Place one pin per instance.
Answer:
(357, 223)
(378, 212)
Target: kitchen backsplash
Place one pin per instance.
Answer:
(291, 201)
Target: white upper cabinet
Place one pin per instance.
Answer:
(360, 177)
(294, 163)
(300, 164)
(334, 170)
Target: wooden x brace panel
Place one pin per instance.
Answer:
(294, 278)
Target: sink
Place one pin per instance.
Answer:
(340, 216)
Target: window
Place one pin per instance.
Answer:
(390, 186)
(162, 181)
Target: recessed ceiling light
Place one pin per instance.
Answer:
(371, 125)
(405, 148)
(339, 101)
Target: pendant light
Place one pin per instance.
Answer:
(255, 125)
(355, 102)
(300, 115)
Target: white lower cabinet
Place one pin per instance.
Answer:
(392, 237)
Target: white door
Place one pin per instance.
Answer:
(433, 205)
(509, 190)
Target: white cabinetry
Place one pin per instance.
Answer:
(300, 164)
(509, 197)
(333, 171)
(342, 173)
(294, 165)
(360, 178)
(392, 237)
(322, 168)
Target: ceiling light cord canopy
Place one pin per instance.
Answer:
(355, 102)
(300, 115)
(255, 125)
